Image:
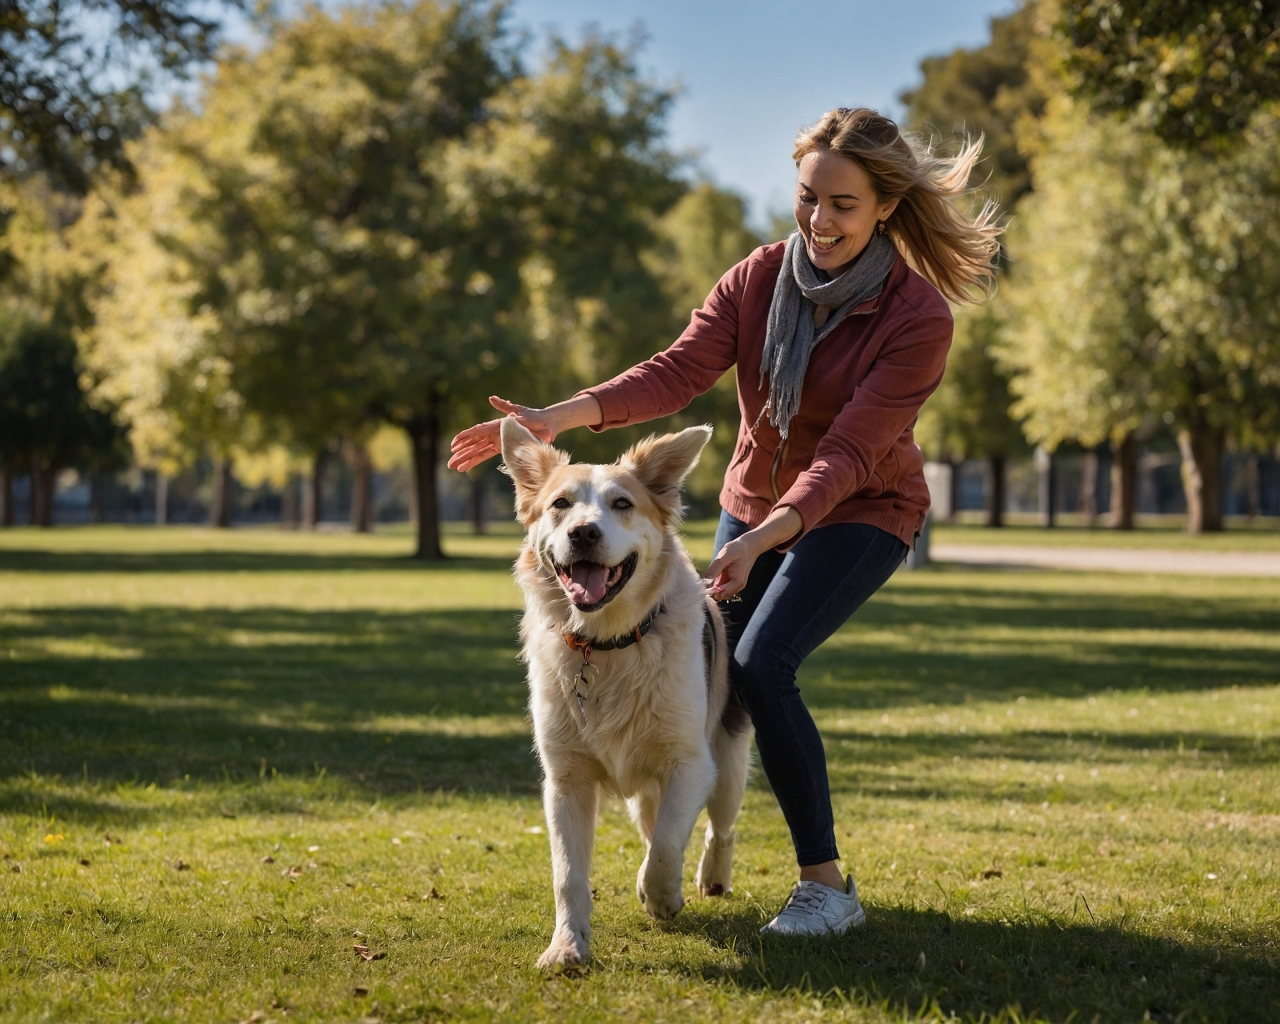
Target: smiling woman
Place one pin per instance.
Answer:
(839, 335)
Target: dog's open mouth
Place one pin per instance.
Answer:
(591, 585)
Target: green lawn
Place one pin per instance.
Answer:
(226, 759)
(1153, 532)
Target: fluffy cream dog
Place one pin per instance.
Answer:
(628, 671)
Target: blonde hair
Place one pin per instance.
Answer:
(955, 253)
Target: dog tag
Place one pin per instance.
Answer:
(583, 680)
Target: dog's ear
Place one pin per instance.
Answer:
(529, 462)
(662, 463)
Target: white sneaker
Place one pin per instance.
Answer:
(817, 909)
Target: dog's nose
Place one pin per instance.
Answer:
(585, 533)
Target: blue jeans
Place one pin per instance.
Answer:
(790, 605)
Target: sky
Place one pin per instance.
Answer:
(753, 73)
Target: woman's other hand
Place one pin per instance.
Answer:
(483, 441)
(729, 570)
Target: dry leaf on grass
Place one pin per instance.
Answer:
(432, 895)
(359, 990)
(292, 872)
(992, 873)
(254, 1018)
(921, 961)
(226, 812)
(181, 865)
(268, 859)
(84, 862)
(365, 953)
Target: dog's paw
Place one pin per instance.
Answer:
(660, 896)
(715, 870)
(567, 949)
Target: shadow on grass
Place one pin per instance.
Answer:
(1061, 971)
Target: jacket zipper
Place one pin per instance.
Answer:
(773, 470)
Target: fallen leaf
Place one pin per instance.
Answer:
(84, 862)
(359, 990)
(762, 871)
(920, 961)
(268, 859)
(181, 865)
(226, 812)
(432, 895)
(992, 873)
(295, 871)
(595, 895)
(16, 869)
(109, 840)
(51, 838)
(365, 953)
(254, 1017)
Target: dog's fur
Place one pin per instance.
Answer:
(657, 724)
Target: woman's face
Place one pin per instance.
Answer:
(836, 209)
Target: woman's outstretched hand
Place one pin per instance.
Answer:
(483, 441)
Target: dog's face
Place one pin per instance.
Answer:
(600, 529)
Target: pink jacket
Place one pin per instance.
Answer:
(850, 456)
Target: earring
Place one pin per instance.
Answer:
(880, 226)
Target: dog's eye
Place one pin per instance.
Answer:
(621, 505)
(562, 502)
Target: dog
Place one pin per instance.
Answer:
(628, 671)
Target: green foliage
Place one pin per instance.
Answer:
(1017, 762)
(74, 77)
(969, 415)
(1195, 70)
(989, 91)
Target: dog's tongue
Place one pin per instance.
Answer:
(586, 583)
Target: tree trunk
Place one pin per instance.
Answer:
(480, 502)
(220, 511)
(1253, 485)
(1201, 447)
(1124, 482)
(995, 490)
(162, 499)
(361, 488)
(43, 480)
(954, 488)
(424, 439)
(6, 499)
(96, 486)
(1048, 486)
(289, 503)
(312, 494)
(1089, 487)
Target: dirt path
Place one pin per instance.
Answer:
(1181, 563)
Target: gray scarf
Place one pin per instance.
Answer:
(791, 336)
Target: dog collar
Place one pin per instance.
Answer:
(584, 645)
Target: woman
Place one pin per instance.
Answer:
(838, 341)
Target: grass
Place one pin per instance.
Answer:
(228, 758)
(1165, 533)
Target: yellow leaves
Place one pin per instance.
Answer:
(52, 839)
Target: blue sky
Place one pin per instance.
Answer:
(753, 73)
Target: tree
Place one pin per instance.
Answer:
(990, 90)
(1080, 342)
(75, 76)
(1196, 71)
(968, 416)
(150, 345)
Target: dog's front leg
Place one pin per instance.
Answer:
(661, 874)
(570, 806)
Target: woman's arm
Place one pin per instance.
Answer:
(662, 384)
(484, 440)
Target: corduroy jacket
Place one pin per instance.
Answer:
(850, 456)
